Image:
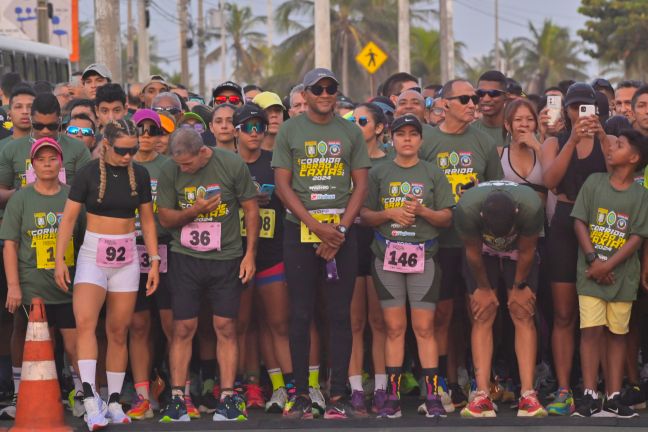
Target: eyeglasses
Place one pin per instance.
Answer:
(198, 127)
(49, 126)
(362, 121)
(317, 89)
(123, 151)
(151, 130)
(235, 100)
(492, 93)
(464, 99)
(170, 110)
(75, 130)
(249, 127)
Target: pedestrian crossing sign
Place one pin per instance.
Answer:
(371, 57)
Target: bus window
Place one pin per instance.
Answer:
(24, 67)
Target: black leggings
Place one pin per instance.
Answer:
(305, 272)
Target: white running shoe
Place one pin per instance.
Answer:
(116, 414)
(319, 403)
(278, 401)
(95, 416)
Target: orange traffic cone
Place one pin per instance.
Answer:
(39, 405)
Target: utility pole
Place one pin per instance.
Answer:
(447, 41)
(323, 33)
(183, 16)
(403, 36)
(223, 40)
(143, 58)
(201, 49)
(130, 36)
(43, 21)
(107, 37)
(498, 60)
(270, 23)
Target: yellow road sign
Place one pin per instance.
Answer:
(371, 57)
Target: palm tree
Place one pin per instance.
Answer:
(550, 55)
(478, 66)
(511, 51)
(246, 43)
(426, 54)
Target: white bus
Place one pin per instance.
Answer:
(34, 61)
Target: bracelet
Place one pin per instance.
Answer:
(155, 258)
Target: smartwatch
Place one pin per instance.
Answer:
(590, 258)
(155, 258)
(342, 229)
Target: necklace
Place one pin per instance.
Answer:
(114, 174)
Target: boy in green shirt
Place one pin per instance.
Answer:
(610, 220)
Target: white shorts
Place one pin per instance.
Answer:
(123, 279)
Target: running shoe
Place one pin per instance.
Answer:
(191, 408)
(96, 410)
(391, 408)
(563, 403)
(229, 410)
(175, 411)
(141, 409)
(319, 403)
(444, 395)
(588, 407)
(339, 409)
(459, 399)
(480, 406)
(358, 403)
(634, 397)
(408, 384)
(209, 398)
(615, 407)
(298, 407)
(254, 396)
(432, 407)
(115, 412)
(277, 401)
(530, 406)
(9, 412)
(379, 399)
(77, 404)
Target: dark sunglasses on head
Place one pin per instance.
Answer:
(235, 100)
(492, 93)
(362, 121)
(74, 130)
(464, 99)
(198, 127)
(170, 110)
(123, 151)
(317, 89)
(249, 127)
(50, 126)
(151, 130)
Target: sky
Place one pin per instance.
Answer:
(474, 24)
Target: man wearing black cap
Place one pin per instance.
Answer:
(318, 156)
(227, 92)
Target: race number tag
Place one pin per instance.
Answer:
(309, 237)
(46, 253)
(145, 263)
(404, 257)
(512, 254)
(268, 218)
(201, 236)
(30, 175)
(115, 253)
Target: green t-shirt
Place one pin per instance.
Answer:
(5, 141)
(154, 168)
(177, 190)
(389, 183)
(494, 132)
(32, 220)
(321, 158)
(529, 220)
(612, 216)
(462, 157)
(15, 160)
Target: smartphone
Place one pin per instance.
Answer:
(554, 105)
(267, 188)
(212, 192)
(586, 110)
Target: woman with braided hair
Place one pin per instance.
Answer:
(112, 189)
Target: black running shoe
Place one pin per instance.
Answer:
(615, 408)
(587, 407)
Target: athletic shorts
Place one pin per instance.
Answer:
(276, 273)
(562, 245)
(191, 277)
(501, 270)
(596, 312)
(421, 289)
(453, 284)
(161, 298)
(122, 279)
(365, 256)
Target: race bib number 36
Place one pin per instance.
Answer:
(268, 218)
(404, 258)
(201, 236)
(46, 254)
(145, 262)
(115, 253)
(309, 237)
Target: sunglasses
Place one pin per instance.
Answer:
(362, 121)
(198, 127)
(74, 130)
(49, 126)
(151, 130)
(249, 127)
(492, 93)
(123, 151)
(317, 89)
(235, 100)
(170, 110)
(464, 99)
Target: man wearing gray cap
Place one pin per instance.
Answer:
(93, 77)
(316, 158)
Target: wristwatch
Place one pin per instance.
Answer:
(520, 285)
(155, 258)
(590, 258)
(342, 229)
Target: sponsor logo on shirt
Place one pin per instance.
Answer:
(317, 197)
(396, 233)
(318, 188)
